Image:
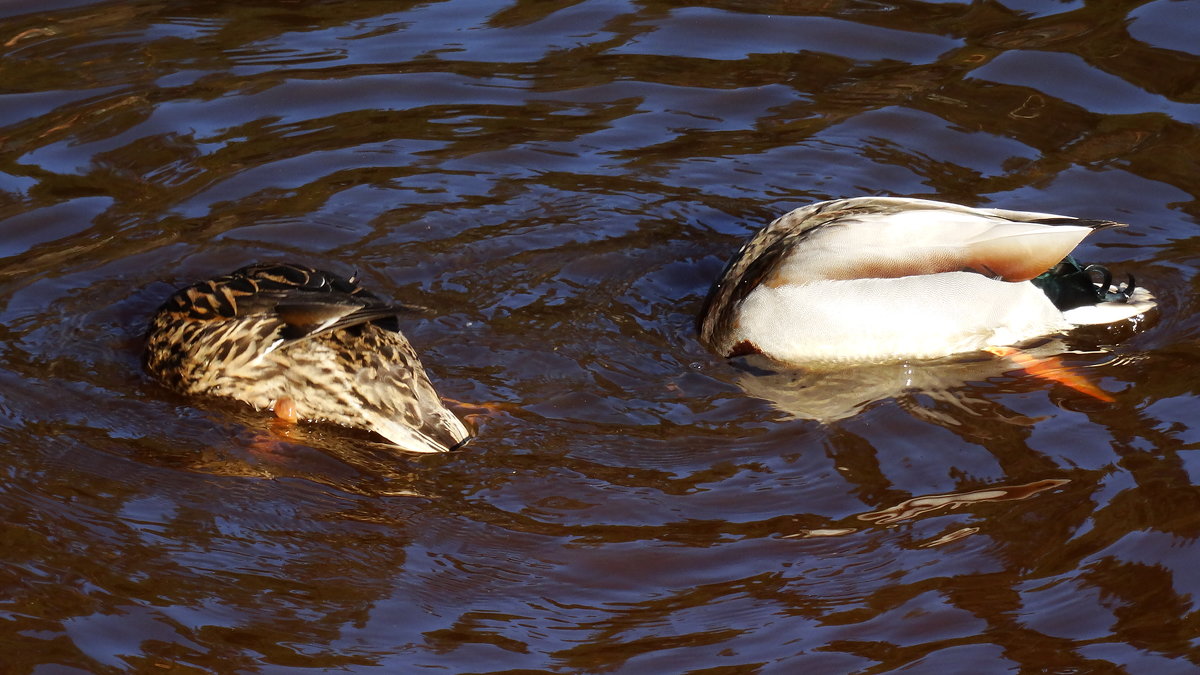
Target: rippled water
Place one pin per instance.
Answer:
(561, 181)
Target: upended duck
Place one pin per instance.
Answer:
(884, 278)
(306, 344)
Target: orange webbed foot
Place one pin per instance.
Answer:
(1052, 368)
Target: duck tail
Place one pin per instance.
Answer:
(441, 431)
(1086, 294)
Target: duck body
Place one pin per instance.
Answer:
(884, 278)
(276, 335)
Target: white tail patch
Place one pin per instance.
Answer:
(1105, 312)
(1110, 312)
(414, 440)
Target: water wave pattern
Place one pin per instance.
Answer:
(560, 182)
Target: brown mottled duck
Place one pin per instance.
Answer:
(306, 344)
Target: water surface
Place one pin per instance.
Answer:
(560, 182)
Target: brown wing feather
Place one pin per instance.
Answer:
(1019, 253)
(1024, 257)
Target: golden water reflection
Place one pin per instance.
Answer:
(916, 507)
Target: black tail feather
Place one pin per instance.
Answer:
(1069, 285)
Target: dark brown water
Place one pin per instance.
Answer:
(561, 181)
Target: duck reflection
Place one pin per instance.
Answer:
(925, 389)
(248, 445)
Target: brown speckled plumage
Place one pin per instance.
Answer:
(273, 331)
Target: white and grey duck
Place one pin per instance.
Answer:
(873, 279)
